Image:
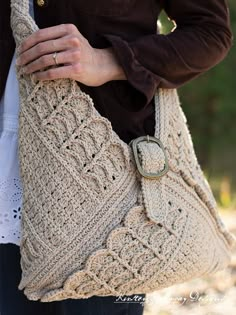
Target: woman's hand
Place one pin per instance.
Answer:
(76, 58)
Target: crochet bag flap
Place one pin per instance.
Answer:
(100, 217)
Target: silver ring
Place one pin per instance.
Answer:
(54, 56)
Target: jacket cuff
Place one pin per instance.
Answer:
(142, 80)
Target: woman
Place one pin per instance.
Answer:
(114, 52)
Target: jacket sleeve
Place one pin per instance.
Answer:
(201, 38)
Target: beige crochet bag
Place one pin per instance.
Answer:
(95, 221)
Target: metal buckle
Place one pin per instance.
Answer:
(134, 147)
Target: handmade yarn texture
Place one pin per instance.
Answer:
(91, 224)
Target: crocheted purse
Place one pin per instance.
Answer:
(100, 217)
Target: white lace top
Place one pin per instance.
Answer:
(10, 183)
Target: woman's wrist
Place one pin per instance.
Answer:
(109, 65)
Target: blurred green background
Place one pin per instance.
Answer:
(209, 103)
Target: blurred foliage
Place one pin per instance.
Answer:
(209, 103)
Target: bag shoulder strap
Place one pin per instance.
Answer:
(22, 23)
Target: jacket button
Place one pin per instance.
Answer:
(41, 3)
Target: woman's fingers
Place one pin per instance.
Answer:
(64, 57)
(58, 73)
(47, 34)
(47, 47)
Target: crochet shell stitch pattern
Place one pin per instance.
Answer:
(91, 225)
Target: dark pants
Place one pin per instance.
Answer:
(14, 302)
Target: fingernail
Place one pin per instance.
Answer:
(18, 61)
(33, 77)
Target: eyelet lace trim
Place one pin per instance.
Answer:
(10, 214)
